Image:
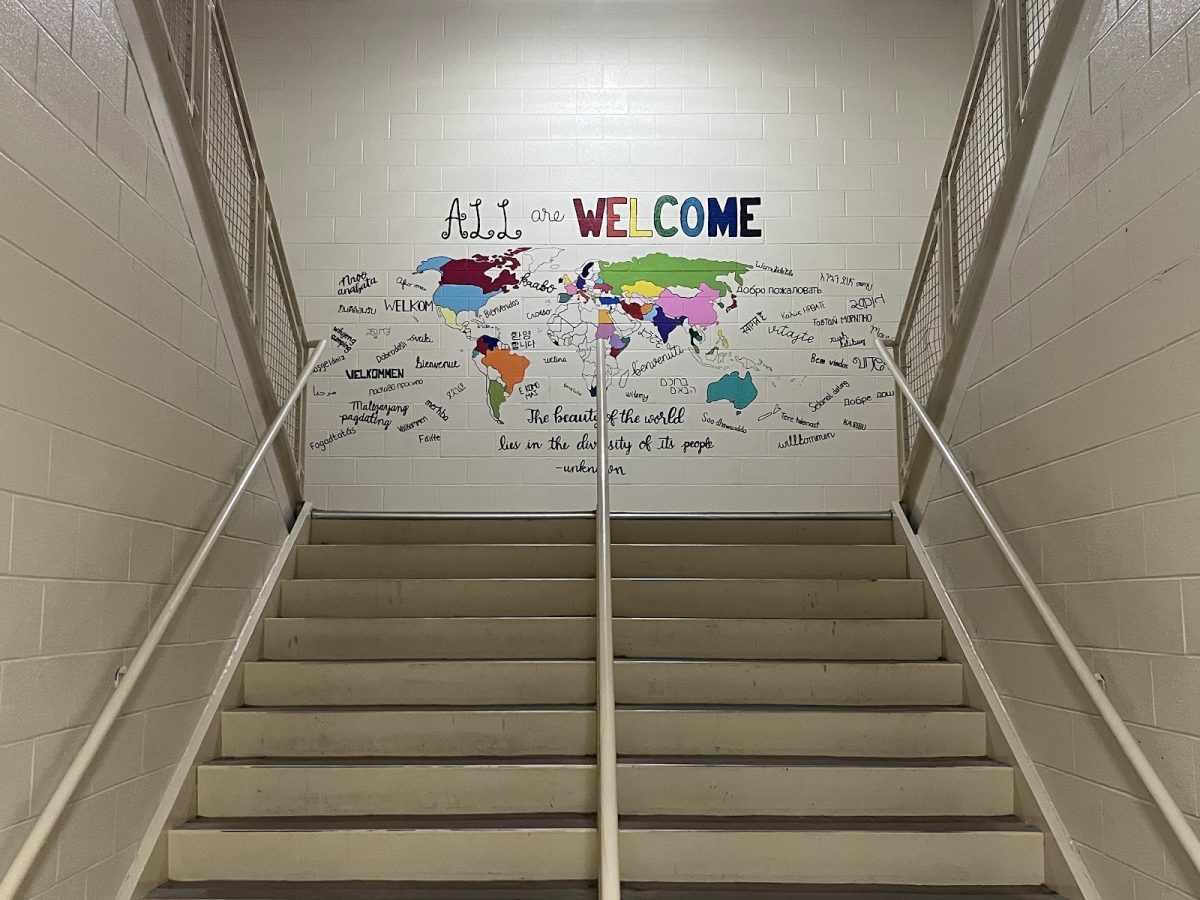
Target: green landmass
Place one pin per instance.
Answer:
(672, 271)
(496, 397)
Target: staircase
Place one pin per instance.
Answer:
(422, 724)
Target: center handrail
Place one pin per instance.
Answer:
(1087, 679)
(607, 829)
(46, 822)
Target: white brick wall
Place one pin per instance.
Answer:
(121, 425)
(373, 116)
(1082, 426)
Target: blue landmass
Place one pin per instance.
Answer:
(461, 297)
(738, 390)
(433, 264)
(664, 323)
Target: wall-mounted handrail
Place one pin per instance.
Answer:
(46, 822)
(607, 830)
(1087, 679)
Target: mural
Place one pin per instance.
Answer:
(491, 352)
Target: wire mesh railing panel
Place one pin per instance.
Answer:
(1035, 23)
(281, 341)
(231, 160)
(980, 163)
(179, 16)
(922, 346)
(195, 30)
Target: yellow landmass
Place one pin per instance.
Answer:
(643, 288)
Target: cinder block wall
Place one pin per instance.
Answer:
(374, 116)
(1082, 427)
(122, 424)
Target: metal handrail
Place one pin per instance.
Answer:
(607, 830)
(1087, 679)
(43, 827)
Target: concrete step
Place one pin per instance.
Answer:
(513, 530)
(412, 848)
(736, 786)
(991, 851)
(387, 890)
(532, 890)
(578, 561)
(574, 638)
(712, 597)
(956, 851)
(484, 682)
(934, 731)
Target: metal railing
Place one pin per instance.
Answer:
(44, 825)
(981, 148)
(607, 828)
(199, 45)
(1088, 680)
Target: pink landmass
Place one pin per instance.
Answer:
(698, 310)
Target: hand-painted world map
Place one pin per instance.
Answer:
(660, 300)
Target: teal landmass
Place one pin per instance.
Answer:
(737, 389)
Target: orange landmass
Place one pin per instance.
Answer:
(511, 367)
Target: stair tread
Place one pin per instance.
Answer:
(654, 660)
(544, 821)
(588, 707)
(591, 546)
(419, 707)
(533, 890)
(374, 621)
(797, 707)
(949, 762)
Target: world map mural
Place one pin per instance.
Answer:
(482, 358)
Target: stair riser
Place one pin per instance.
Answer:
(579, 561)
(582, 531)
(249, 733)
(508, 855)
(727, 790)
(359, 790)
(674, 856)
(483, 683)
(744, 598)
(805, 733)
(409, 733)
(429, 638)
(564, 638)
(755, 790)
(832, 857)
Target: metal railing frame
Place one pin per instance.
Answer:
(1088, 680)
(607, 827)
(195, 76)
(43, 827)
(961, 290)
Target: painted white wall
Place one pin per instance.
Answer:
(122, 424)
(373, 117)
(1082, 427)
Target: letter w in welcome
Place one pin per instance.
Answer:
(590, 222)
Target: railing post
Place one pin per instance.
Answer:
(1011, 42)
(607, 828)
(201, 54)
(901, 429)
(258, 256)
